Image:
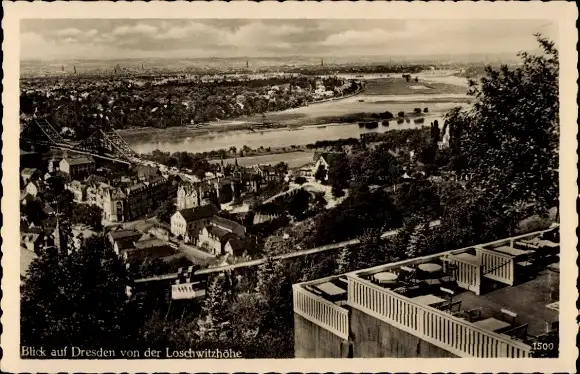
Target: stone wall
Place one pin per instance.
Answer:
(313, 341)
(374, 338)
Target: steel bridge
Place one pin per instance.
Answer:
(103, 143)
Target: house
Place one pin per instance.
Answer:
(222, 235)
(29, 174)
(266, 172)
(77, 167)
(25, 197)
(31, 241)
(35, 187)
(125, 198)
(123, 239)
(306, 171)
(54, 164)
(228, 225)
(323, 159)
(225, 190)
(187, 222)
(189, 195)
(112, 200)
(214, 239)
(145, 172)
(94, 178)
(161, 231)
(78, 189)
(235, 247)
(148, 247)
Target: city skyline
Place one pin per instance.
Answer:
(67, 39)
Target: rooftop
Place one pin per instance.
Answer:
(79, 160)
(227, 224)
(507, 291)
(217, 231)
(124, 234)
(29, 171)
(197, 213)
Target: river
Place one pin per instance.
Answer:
(300, 130)
(285, 137)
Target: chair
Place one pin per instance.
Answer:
(455, 306)
(474, 314)
(519, 332)
(509, 316)
(452, 308)
(408, 274)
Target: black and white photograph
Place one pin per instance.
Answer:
(287, 188)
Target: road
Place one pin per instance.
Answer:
(304, 252)
(196, 255)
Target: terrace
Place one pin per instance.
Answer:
(490, 300)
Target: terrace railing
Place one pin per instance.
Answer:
(466, 273)
(439, 328)
(497, 266)
(186, 291)
(321, 311)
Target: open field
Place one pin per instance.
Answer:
(293, 159)
(399, 86)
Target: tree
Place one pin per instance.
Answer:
(166, 211)
(300, 180)
(337, 191)
(417, 240)
(90, 215)
(344, 260)
(64, 204)
(367, 253)
(376, 166)
(418, 197)
(281, 168)
(77, 299)
(213, 324)
(339, 171)
(299, 204)
(510, 137)
(320, 174)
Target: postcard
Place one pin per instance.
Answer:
(289, 187)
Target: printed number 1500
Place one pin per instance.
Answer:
(542, 346)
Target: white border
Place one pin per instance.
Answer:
(562, 12)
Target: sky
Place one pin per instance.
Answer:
(175, 38)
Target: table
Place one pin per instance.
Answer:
(428, 299)
(385, 277)
(330, 289)
(433, 282)
(467, 257)
(511, 251)
(491, 324)
(429, 267)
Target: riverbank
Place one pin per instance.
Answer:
(295, 126)
(351, 110)
(274, 120)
